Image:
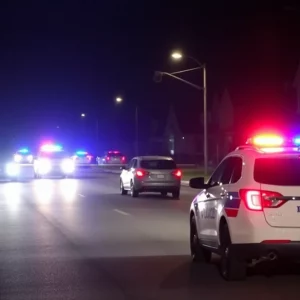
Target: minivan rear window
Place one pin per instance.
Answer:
(277, 171)
(118, 154)
(158, 164)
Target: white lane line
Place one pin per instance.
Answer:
(81, 195)
(121, 212)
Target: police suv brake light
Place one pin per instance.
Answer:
(257, 200)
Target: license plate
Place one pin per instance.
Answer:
(160, 176)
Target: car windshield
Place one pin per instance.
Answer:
(59, 154)
(158, 164)
(277, 171)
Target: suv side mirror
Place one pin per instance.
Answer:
(198, 183)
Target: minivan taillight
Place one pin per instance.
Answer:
(257, 199)
(141, 173)
(177, 173)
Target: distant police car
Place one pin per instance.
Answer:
(82, 158)
(112, 157)
(249, 211)
(23, 156)
(53, 160)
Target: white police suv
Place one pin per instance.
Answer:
(249, 210)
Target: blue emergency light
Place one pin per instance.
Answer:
(81, 153)
(24, 150)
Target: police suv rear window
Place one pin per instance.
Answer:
(158, 164)
(277, 171)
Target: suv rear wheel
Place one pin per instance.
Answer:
(232, 269)
(198, 252)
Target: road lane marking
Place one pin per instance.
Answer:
(122, 212)
(81, 195)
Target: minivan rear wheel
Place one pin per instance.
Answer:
(134, 193)
(176, 194)
(123, 191)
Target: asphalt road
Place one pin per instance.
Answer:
(80, 239)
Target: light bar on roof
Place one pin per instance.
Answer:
(268, 140)
(272, 143)
(51, 148)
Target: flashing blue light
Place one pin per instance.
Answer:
(81, 153)
(297, 140)
(23, 150)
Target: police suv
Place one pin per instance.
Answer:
(53, 160)
(249, 210)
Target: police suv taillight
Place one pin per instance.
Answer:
(257, 200)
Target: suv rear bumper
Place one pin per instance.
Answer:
(251, 251)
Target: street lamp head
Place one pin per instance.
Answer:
(176, 55)
(82, 115)
(119, 99)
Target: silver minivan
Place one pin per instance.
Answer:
(151, 174)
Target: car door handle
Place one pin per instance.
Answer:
(207, 195)
(222, 194)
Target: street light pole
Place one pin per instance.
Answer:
(205, 122)
(205, 141)
(158, 75)
(83, 116)
(97, 134)
(136, 132)
(136, 142)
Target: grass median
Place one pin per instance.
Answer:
(187, 174)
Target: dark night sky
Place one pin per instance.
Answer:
(61, 58)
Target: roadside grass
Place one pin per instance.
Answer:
(187, 174)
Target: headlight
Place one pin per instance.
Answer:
(68, 166)
(17, 158)
(43, 166)
(12, 169)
